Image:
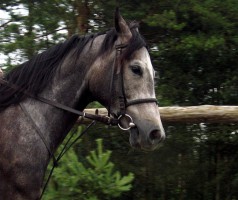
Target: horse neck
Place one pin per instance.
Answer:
(69, 87)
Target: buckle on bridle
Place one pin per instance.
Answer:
(131, 124)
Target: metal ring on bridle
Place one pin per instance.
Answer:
(131, 124)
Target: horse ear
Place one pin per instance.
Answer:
(121, 26)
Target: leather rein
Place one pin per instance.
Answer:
(108, 120)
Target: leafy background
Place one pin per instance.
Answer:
(194, 48)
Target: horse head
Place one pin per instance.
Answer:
(126, 87)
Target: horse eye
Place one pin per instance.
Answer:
(136, 70)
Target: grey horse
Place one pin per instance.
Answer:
(73, 73)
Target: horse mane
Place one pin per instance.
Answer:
(35, 74)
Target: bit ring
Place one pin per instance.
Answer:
(131, 124)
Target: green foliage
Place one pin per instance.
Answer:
(195, 53)
(166, 20)
(199, 52)
(96, 179)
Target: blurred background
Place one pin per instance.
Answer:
(194, 48)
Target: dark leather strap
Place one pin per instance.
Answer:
(139, 101)
(39, 133)
(121, 92)
(103, 119)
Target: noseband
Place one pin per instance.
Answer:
(123, 102)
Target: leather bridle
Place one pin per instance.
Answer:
(108, 120)
(123, 102)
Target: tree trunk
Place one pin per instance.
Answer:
(82, 16)
(30, 51)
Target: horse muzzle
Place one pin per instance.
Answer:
(144, 134)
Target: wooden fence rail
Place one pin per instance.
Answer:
(189, 114)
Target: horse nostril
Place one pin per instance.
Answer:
(155, 135)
